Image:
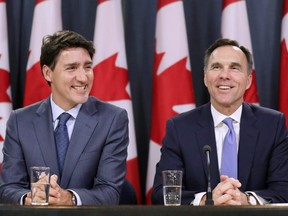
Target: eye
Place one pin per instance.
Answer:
(215, 67)
(71, 67)
(88, 67)
(236, 68)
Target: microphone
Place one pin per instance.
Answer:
(209, 200)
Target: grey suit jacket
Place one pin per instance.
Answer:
(262, 154)
(95, 163)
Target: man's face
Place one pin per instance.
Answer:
(226, 77)
(72, 78)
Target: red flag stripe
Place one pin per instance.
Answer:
(283, 87)
(5, 93)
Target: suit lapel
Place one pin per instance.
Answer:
(247, 144)
(44, 131)
(206, 136)
(85, 124)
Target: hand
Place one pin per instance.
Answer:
(57, 195)
(39, 194)
(27, 199)
(227, 192)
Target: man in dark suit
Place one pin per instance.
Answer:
(261, 138)
(95, 163)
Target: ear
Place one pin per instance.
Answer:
(205, 81)
(249, 81)
(47, 73)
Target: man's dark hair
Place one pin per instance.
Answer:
(52, 45)
(228, 42)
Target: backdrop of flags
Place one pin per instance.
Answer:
(172, 80)
(5, 90)
(111, 81)
(46, 20)
(235, 25)
(283, 87)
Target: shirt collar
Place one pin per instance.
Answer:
(57, 111)
(219, 117)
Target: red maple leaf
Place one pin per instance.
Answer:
(110, 81)
(4, 85)
(163, 3)
(228, 2)
(36, 87)
(172, 87)
(251, 94)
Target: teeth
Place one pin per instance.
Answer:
(79, 87)
(224, 87)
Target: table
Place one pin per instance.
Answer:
(142, 210)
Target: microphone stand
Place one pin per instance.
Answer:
(209, 200)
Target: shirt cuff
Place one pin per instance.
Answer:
(197, 199)
(22, 199)
(255, 199)
(79, 202)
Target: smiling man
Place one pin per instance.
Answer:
(249, 147)
(91, 168)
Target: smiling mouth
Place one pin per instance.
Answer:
(224, 87)
(80, 88)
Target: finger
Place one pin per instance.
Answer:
(233, 202)
(223, 178)
(222, 200)
(53, 181)
(27, 200)
(54, 192)
(54, 200)
(235, 182)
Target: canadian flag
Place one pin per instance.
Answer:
(46, 20)
(283, 87)
(5, 92)
(172, 80)
(111, 82)
(235, 25)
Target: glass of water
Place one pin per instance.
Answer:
(172, 187)
(40, 180)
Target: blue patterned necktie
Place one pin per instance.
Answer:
(62, 139)
(229, 165)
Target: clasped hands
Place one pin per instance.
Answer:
(227, 193)
(57, 195)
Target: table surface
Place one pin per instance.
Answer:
(145, 210)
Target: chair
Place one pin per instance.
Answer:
(128, 194)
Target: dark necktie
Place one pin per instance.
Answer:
(62, 139)
(229, 151)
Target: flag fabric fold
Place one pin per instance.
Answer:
(235, 25)
(283, 87)
(5, 89)
(111, 82)
(172, 80)
(47, 19)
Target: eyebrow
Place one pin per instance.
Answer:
(236, 64)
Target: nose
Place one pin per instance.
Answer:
(225, 73)
(81, 75)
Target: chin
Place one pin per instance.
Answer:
(81, 100)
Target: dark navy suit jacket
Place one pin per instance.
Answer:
(95, 163)
(262, 154)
